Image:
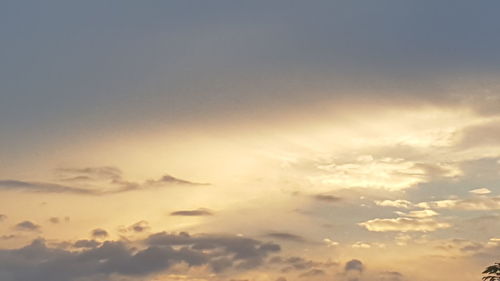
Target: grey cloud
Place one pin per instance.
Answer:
(41, 187)
(99, 233)
(54, 220)
(312, 273)
(299, 263)
(353, 270)
(327, 198)
(92, 181)
(286, 236)
(355, 265)
(168, 179)
(86, 244)
(193, 213)
(3, 217)
(247, 251)
(101, 261)
(391, 276)
(27, 226)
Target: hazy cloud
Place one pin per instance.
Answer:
(92, 181)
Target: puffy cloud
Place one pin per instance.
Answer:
(245, 252)
(354, 265)
(99, 233)
(404, 224)
(27, 226)
(330, 243)
(193, 213)
(100, 261)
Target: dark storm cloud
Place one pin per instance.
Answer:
(193, 213)
(27, 226)
(37, 261)
(84, 182)
(285, 236)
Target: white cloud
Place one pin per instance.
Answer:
(480, 191)
(399, 203)
(386, 173)
(478, 203)
(404, 224)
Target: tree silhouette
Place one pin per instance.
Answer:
(493, 272)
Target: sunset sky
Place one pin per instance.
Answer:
(249, 140)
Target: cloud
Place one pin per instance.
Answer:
(42, 187)
(285, 236)
(312, 273)
(480, 191)
(404, 224)
(3, 217)
(99, 233)
(391, 276)
(327, 198)
(230, 251)
(101, 261)
(91, 181)
(404, 204)
(387, 173)
(354, 265)
(477, 203)
(419, 214)
(353, 270)
(86, 244)
(193, 213)
(330, 243)
(367, 245)
(27, 226)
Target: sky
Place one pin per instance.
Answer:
(249, 140)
